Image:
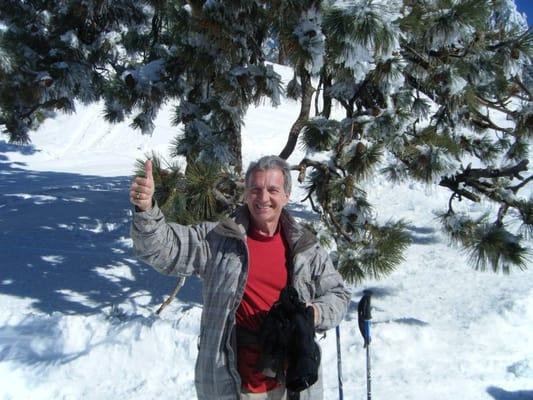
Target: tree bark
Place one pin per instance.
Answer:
(326, 98)
(303, 117)
(236, 149)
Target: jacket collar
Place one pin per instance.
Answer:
(298, 237)
(236, 226)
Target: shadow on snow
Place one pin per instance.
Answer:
(65, 243)
(501, 394)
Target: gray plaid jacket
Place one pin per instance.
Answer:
(218, 254)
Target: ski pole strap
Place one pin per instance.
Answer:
(364, 316)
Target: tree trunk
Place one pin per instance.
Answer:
(327, 81)
(236, 150)
(282, 54)
(307, 96)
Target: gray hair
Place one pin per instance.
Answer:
(271, 162)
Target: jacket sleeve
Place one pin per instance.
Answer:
(169, 248)
(331, 295)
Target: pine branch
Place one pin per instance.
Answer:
(414, 56)
(492, 245)
(450, 202)
(502, 211)
(472, 177)
(519, 82)
(511, 172)
(179, 285)
(498, 105)
(337, 224)
(443, 54)
(303, 117)
(420, 86)
(53, 103)
(306, 163)
(486, 123)
(454, 186)
(516, 188)
(310, 198)
(510, 42)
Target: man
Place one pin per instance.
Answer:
(244, 261)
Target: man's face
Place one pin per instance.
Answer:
(265, 198)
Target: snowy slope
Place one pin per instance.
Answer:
(77, 310)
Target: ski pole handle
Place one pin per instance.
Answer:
(364, 316)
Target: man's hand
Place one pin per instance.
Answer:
(142, 189)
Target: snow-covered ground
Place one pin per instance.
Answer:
(77, 309)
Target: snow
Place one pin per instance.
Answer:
(360, 54)
(71, 39)
(311, 39)
(77, 314)
(146, 74)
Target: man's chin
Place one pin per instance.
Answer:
(263, 216)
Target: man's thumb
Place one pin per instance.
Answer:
(148, 169)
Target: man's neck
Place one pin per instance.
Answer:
(268, 230)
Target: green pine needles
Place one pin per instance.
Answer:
(203, 192)
(492, 246)
(319, 134)
(488, 245)
(376, 255)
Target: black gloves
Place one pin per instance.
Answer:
(287, 338)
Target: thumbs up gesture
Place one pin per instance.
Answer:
(142, 189)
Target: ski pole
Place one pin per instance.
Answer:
(364, 319)
(339, 362)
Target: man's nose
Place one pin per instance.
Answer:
(263, 195)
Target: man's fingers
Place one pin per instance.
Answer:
(143, 182)
(136, 193)
(142, 188)
(148, 170)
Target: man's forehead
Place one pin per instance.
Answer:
(267, 184)
(270, 171)
(256, 180)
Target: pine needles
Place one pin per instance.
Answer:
(204, 192)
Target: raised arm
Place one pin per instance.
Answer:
(171, 249)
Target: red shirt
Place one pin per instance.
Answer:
(267, 276)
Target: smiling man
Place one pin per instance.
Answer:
(245, 262)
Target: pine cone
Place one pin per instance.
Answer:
(360, 149)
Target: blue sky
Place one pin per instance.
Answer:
(527, 7)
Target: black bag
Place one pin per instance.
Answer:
(287, 339)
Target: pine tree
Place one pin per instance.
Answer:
(423, 85)
(205, 57)
(55, 53)
(208, 58)
(435, 91)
